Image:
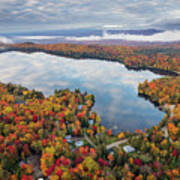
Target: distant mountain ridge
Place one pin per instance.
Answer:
(95, 36)
(146, 32)
(84, 32)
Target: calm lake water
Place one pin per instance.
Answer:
(114, 87)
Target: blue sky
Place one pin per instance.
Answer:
(28, 15)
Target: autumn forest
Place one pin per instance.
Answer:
(59, 137)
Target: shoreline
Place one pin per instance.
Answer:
(163, 107)
(136, 68)
(137, 140)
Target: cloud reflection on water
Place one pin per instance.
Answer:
(113, 85)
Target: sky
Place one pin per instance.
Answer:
(30, 15)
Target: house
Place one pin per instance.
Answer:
(91, 122)
(69, 138)
(79, 143)
(128, 149)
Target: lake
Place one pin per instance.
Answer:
(114, 87)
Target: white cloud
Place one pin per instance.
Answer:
(5, 40)
(31, 2)
(175, 13)
(76, 12)
(166, 36)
